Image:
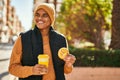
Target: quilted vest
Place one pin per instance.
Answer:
(32, 46)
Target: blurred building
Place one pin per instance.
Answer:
(10, 24)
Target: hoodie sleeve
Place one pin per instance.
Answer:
(15, 67)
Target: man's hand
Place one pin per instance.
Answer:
(39, 69)
(69, 60)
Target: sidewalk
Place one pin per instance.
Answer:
(5, 52)
(6, 46)
(89, 73)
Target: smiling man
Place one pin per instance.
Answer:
(43, 39)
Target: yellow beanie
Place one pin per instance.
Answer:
(49, 8)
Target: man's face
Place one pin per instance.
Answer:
(42, 19)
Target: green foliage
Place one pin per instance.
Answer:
(86, 19)
(96, 58)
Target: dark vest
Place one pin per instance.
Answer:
(32, 46)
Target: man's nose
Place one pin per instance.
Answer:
(40, 17)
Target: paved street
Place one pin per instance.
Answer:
(97, 73)
(5, 52)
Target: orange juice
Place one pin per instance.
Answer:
(43, 59)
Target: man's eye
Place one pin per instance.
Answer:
(45, 15)
(37, 15)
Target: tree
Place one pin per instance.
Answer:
(85, 20)
(115, 39)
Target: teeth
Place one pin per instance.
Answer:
(40, 22)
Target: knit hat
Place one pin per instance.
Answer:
(49, 8)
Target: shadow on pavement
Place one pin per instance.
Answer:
(4, 59)
(3, 74)
(5, 46)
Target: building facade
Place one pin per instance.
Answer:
(10, 24)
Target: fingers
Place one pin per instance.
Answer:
(40, 69)
(70, 59)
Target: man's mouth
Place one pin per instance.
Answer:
(40, 22)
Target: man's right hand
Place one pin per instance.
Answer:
(39, 69)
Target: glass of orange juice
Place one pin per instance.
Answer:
(43, 59)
